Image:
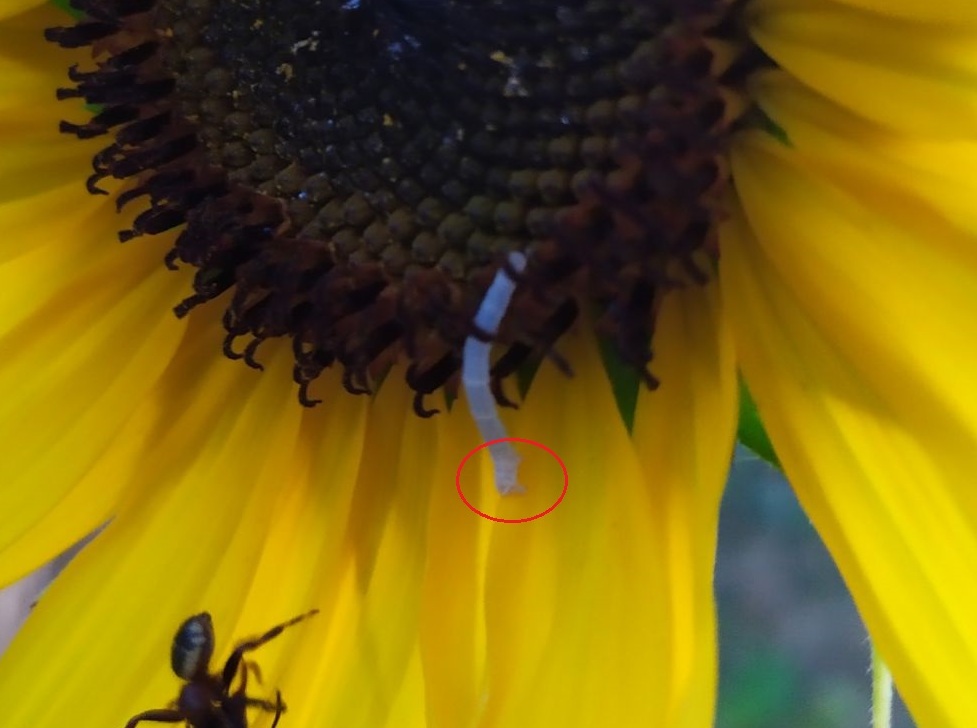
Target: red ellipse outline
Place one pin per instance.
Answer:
(541, 446)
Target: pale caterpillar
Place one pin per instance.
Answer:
(475, 375)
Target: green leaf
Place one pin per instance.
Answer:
(751, 432)
(624, 382)
(63, 5)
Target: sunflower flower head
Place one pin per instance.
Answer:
(354, 174)
(399, 197)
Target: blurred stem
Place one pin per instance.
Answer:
(881, 692)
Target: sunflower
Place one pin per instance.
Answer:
(771, 189)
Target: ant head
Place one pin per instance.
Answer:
(192, 647)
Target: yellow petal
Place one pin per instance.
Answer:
(66, 219)
(452, 619)
(408, 705)
(902, 74)
(76, 309)
(40, 160)
(187, 538)
(353, 533)
(948, 12)
(32, 68)
(685, 432)
(36, 157)
(373, 581)
(855, 323)
(304, 557)
(574, 628)
(571, 615)
(71, 509)
(920, 171)
(11, 8)
(255, 509)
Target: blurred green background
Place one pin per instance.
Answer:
(793, 651)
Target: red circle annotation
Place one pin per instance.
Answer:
(541, 446)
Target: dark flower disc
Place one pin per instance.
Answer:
(352, 173)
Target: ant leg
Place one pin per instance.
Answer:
(255, 669)
(159, 716)
(234, 661)
(279, 708)
(248, 666)
(267, 705)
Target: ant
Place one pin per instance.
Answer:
(205, 701)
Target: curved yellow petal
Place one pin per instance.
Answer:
(35, 156)
(945, 12)
(186, 539)
(42, 160)
(408, 707)
(898, 72)
(31, 68)
(12, 8)
(247, 505)
(256, 510)
(452, 619)
(305, 551)
(685, 432)
(67, 396)
(573, 624)
(855, 320)
(58, 216)
(72, 509)
(920, 171)
(372, 582)
(361, 530)
(571, 617)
